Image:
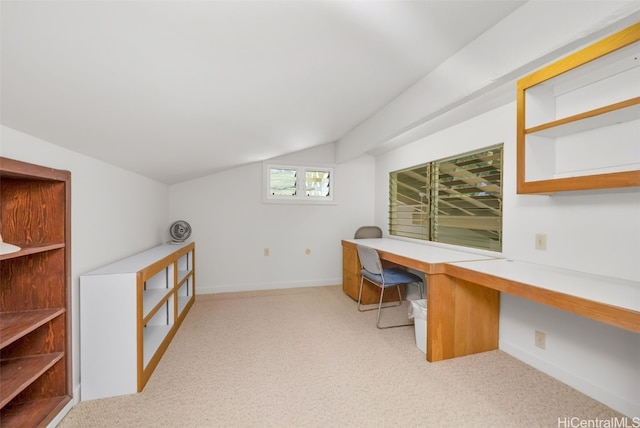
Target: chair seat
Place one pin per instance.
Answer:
(373, 272)
(392, 277)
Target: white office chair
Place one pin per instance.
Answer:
(368, 232)
(383, 278)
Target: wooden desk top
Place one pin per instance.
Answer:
(422, 257)
(611, 300)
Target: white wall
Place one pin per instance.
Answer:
(114, 213)
(232, 226)
(596, 232)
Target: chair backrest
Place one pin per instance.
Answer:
(370, 259)
(368, 232)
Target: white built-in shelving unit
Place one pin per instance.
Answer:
(129, 312)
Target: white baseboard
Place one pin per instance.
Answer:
(606, 397)
(229, 288)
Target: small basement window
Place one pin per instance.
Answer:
(298, 184)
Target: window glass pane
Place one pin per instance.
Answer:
(298, 184)
(282, 182)
(317, 183)
(456, 200)
(409, 202)
(467, 200)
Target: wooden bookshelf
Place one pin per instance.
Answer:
(35, 321)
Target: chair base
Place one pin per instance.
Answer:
(376, 307)
(394, 326)
(380, 307)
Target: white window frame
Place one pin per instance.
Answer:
(300, 196)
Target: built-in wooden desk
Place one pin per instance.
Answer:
(463, 293)
(609, 300)
(462, 318)
(423, 258)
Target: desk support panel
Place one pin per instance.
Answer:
(462, 318)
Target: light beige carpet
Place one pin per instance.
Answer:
(307, 358)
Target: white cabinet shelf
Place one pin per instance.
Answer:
(129, 312)
(153, 298)
(594, 119)
(182, 304)
(153, 338)
(578, 124)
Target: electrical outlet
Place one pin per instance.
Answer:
(541, 241)
(541, 340)
(267, 251)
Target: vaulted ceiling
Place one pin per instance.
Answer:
(176, 90)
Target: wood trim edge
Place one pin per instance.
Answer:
(618, 317)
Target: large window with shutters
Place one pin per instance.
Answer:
(457, 200)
